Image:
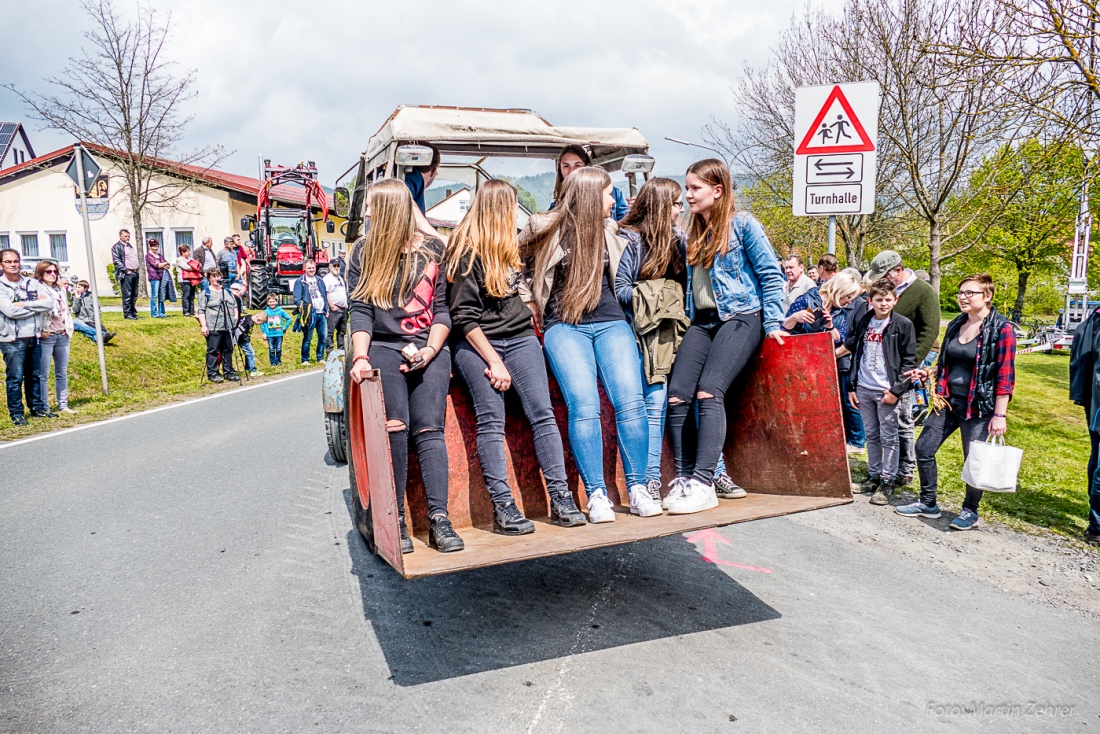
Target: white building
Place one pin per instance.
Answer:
(40, 215)
(452, 208)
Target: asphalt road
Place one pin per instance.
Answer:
(195, 570)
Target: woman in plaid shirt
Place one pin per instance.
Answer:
(976, 376)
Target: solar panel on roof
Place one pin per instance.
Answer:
(7, 132)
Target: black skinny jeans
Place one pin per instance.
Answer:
(710, 358)
(187, 298)
(337, 324)
(419, 400)
(219, 343)
(937, 428)
(525, 362)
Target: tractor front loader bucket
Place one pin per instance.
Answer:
(785, 445)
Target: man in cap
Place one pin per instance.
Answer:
(921, 305)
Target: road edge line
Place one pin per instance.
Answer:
(159, 408)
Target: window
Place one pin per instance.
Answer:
(30, 244)
(183, 237)
(463, 205)
(4, 241)
(59, 247)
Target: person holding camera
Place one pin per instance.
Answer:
(217, 313)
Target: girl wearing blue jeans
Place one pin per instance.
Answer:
(498, 351)
(734, 298)
(575, 254)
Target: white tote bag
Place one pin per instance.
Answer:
(992, 466)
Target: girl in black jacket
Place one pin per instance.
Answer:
(398, 304)
(498, 351)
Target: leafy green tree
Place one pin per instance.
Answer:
(1027, 220)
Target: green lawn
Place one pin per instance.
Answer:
(1052, 491)
(149, 362)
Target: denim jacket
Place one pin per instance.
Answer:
(746, 277)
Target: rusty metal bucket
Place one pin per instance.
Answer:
(785, 445)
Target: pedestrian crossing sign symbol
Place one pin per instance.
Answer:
(836, 129)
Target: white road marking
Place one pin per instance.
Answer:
(159, 408)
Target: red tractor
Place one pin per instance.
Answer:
(285, 237)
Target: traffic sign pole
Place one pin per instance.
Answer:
(78, 152)
(832, 234)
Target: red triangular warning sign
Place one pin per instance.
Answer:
(824, 137)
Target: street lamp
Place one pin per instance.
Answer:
(698, 145)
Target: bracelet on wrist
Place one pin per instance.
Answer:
(999, 415)
(429, 346)
(360, 358)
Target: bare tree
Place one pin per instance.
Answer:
(121, 93)
(762, 141)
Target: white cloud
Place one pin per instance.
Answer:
(294, 81)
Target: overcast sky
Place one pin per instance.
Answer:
(298, 80)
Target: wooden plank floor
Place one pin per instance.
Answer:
(485, 548)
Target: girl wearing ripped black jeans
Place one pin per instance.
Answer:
(399, 322)
(734, 299)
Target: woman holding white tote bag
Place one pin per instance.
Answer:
(976, 374)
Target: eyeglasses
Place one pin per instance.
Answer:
(968, 294)
(9, 262)
(51, 271)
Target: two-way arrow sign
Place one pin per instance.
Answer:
(832, 168)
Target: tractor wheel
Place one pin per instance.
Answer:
(336, 429)
(361, 515)
(257, 287)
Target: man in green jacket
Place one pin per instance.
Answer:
(921, 305)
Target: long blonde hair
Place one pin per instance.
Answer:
(707, 238)
(391, 242)
(488, 231)
(651, 217)
(840, 285)
(578, 221)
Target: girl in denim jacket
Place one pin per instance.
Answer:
(734, 299)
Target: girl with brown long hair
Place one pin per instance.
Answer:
(734, 297)
(499, 351)
(573, 158)
(576, 252)
(399, 300)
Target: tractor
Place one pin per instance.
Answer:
(283, 238)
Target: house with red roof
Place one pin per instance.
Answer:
(40, 210)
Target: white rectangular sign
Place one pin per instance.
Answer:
(836, 149)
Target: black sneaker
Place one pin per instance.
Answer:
(406, 541)
(564, 512)
(508, 520)
(233, 377)
(1092, 538)
(726, 489)
(19, 420)
(43, 414)
(442, 536)
(871, 484)
(108, 337)
(903, 480)
(215, 378)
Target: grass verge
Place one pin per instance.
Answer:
(1052, 493)
(150, 362)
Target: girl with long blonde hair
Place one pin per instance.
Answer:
(734, 297)
(399, 299)
(499, 351)
(575, 253)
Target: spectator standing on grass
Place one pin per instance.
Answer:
(797, 280)
(883, 348)
(53, 337)
(1084, 390)
(22, 311)
(976, 374)
(336, 290)
(157, 270)
(125, 260)
(274, 325)
(242, 332)
(921, 305)
(244, 257)
(227, 261)
(205, 256)
(84, 315)
(190, 277)
(309, 289)
(217, 314)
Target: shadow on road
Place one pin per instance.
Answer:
(485, 619)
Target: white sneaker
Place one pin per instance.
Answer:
(642, 502)
(675, 489)
(599, 508)
(695, 497)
